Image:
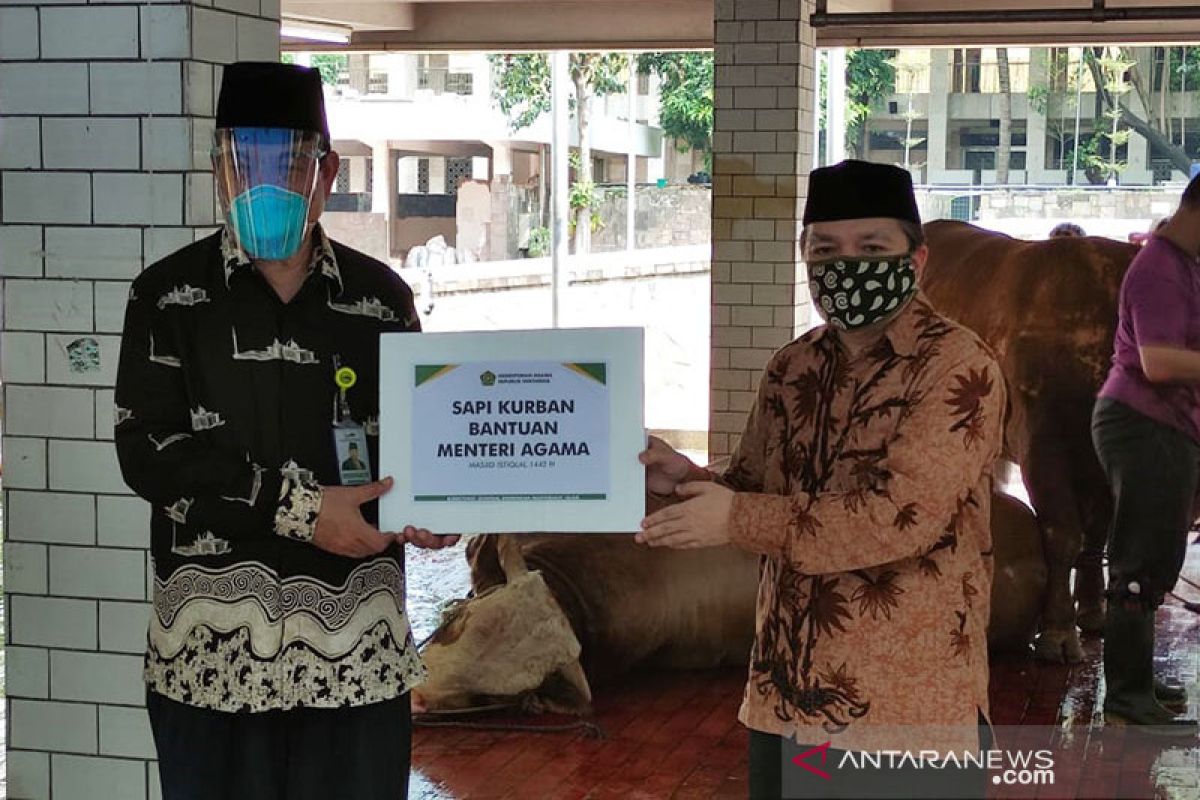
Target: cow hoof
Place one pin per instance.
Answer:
(1058, 646)
(1091, 621)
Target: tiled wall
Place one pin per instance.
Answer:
(762, 150)
(106, 114)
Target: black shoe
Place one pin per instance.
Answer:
(1130, 696)
(1170, 695)
(1154, 724)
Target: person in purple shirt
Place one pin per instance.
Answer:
(1146, 429)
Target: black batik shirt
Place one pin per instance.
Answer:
(225, 403)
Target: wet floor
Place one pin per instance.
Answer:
(434, 578)
(675, 735)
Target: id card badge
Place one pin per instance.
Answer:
(349, 438)
(354, 460)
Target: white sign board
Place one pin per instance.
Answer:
(513, 431)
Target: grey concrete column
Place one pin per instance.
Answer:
(939, 113)
(1035, 120)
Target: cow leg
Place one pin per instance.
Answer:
(1089, 567)
(1046, 478)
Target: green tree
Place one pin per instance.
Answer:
(686, 97)
(521, 87)
(1109, 92)
(909, 73)
(330, 65)
(522, 91)
(870, 77)
(1055, 100)
(1115, 65)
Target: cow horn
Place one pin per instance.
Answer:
(577, 680)
(512, 561)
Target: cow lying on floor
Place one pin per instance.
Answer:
(554, 614)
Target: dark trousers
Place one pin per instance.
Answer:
(361, 753)
(1153, 470)
(767, 764)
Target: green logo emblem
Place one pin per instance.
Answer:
(488, 378)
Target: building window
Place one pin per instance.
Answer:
(377, 83)
(431, 71)
(423, 175)
(966, 71)
(460, 83)
(977, 71)
(342, 184)
(433, 74)
(457, 171)
(1061, 68)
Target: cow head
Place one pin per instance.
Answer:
(510, 642)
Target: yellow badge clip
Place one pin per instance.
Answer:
(345, 378)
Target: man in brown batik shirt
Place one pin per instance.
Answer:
(863, 477)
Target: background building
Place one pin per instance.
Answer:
(431, 118)
(944, 115)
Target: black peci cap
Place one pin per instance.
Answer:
(860, 189)
(266, 94)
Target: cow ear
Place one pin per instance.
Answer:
(485, 562)
(512, 561)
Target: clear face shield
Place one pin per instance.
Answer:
(266, 179)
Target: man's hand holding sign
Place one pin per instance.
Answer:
(701, 520)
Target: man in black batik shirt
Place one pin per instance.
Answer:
(279, 657)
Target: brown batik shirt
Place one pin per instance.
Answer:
(865, 483)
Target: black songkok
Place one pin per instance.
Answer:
(266, 94)
(860, 189)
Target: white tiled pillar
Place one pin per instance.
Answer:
(106, 118)
(762, 152)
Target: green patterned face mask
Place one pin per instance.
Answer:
(855, 293)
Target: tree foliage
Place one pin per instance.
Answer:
(870, 77)
(521, 87)
(522, 81)
(330, 65)
(1109, 104)
(686, 95)
(522, 91)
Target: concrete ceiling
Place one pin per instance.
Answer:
(683, 24)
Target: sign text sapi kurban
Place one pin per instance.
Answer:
(509, 427)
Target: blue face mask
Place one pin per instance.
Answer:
(269, 222)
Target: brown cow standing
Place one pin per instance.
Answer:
(1049, 310)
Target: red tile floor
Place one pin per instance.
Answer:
(676, 736)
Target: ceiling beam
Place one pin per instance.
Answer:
(357, 15)
(527, 25)
(1098, 14)
(1060, 34)
(524, 26)
(914, 22)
